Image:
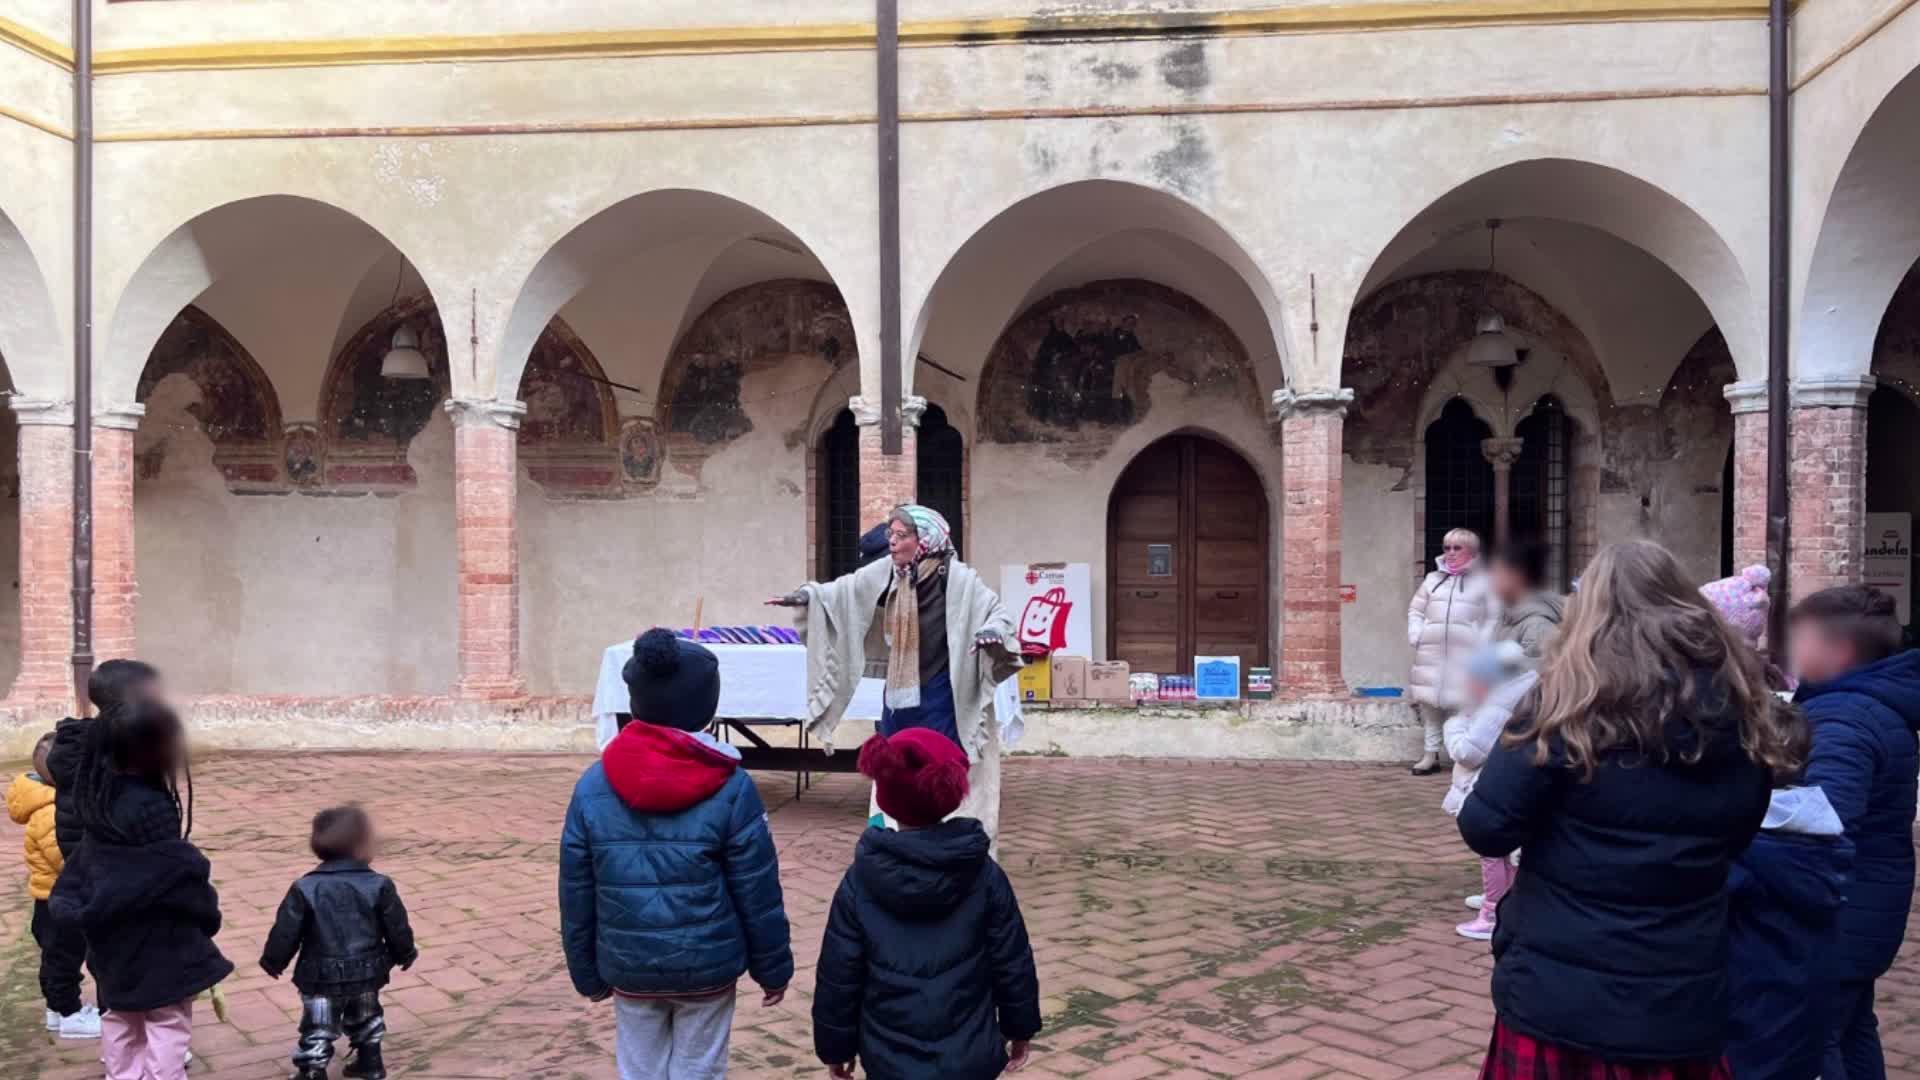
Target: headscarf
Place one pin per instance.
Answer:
(903, 607)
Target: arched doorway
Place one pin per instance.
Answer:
(940, 470)
(1187, 558)
(1459, 477)
(1541, 487)
(838, 469)
(1893, 485)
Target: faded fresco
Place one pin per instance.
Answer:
(237, 403)
(1080, 365)
(567, 398)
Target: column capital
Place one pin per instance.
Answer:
(1747, 397)
(1833, 392)
(1331, 400)
(486, 412)
(1502, 453)
(119, 417)
(866, 413)
(40, 411)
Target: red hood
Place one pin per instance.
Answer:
(661, 770)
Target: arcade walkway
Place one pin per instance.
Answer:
(1192, 919)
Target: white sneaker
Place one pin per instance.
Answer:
(189, 1061)
(53, 1020)
(84, 1024)
(1474, 901)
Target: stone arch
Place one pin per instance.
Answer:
(1584, 206)
(31, 338)
(233, 241)
(1867, 240)
(1084, 364)
(1086, 231)
(685, 230)
(237, 406)
(796, 333)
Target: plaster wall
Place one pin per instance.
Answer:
(289, 594)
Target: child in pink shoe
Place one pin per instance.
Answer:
(1498, 677)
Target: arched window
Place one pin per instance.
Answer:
(1459, 477)
(1542, 493)
(939, 469)
(839, 484)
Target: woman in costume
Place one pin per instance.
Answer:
(930, 625)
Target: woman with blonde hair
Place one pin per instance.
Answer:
(1633, 775)
(1452, 614)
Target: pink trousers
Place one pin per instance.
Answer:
(149, 1045)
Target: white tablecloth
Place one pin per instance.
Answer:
(767, 682)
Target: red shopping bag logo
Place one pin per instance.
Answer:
(1043, 625)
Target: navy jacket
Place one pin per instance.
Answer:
(349, 927)
(925, 969)
(668, 879)
(1613, 940)
(1864, 756)
(1784, 893)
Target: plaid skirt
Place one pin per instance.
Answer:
(1513, 1056)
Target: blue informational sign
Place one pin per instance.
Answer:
(1216, 678)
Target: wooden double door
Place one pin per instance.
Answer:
(1187, 558)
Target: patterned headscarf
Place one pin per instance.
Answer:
(936, 536)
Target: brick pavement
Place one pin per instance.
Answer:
(1192, 920)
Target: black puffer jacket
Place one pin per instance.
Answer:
(1613, 940)
(149, 909)
(66, 762)
(925, 969)
(349, 927)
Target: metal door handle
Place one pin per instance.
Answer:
(1223, 594)
(1146, 594)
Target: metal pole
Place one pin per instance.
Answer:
(1779, 153)
(887, 72)
(82, 350)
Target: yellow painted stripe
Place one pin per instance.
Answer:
(9, 113)
(1393, 14)
(35, 43)
(420, 131)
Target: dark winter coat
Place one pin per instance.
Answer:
(925, 969)
(1613, 940)
(668, 879)
(1784, 893)
(349, 927)
(1865, 758)
(66, 763)
(149, 910)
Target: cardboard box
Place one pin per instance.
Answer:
(1036, 682)
(1108, 680)
(1069, 678)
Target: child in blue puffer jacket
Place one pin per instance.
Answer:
(669, 884)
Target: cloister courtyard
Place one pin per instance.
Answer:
(1191, 919)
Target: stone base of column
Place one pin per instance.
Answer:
(1311, 446)
(886, 480)
(46, 555)
(1826, 537)
(484, 487)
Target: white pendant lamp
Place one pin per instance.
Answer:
(404, 360)
(1492, 346)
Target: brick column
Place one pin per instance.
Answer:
(886, 481)
(1311, 425)
(485, 479)
(115, 585)
(1749, 403)
(46, 553)
(1501, 454)
(1827, 531)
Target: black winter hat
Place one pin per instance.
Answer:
(873, 544)
(672, 682)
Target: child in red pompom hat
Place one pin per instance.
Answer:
(925, 969)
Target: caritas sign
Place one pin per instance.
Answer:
(1051, 605)
(1889, 559)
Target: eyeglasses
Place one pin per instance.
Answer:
(1453, 547)
(896, 534)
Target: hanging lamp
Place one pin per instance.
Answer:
(1491, 346)
(403, 360)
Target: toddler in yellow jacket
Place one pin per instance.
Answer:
(30, 802)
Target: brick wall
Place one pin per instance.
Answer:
(115, 589)
(1310, 552)
(1828, 471)
(488, 559)
(886, 481)
(46, 568)
(1749, 489)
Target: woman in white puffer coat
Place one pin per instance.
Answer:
(1452, 614)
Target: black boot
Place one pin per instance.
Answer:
(366, 1064)
(311, 1072)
